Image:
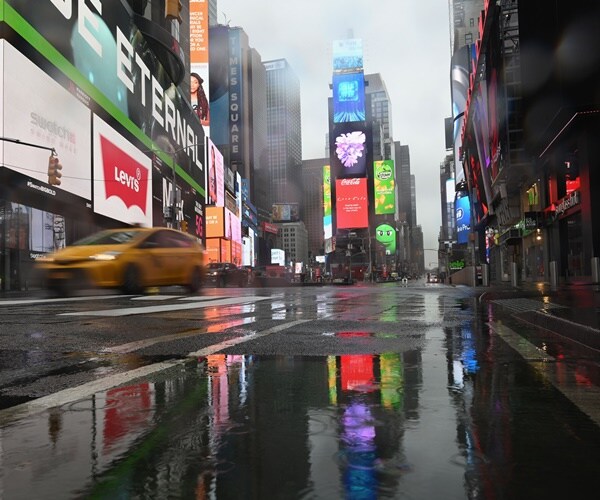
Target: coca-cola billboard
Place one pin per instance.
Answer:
(351, 203)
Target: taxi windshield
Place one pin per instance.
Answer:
(108, 238)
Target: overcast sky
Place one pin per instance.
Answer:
(406, 41)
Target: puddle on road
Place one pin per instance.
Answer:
(346, 426)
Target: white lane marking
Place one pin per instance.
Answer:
(585, 397)
(129, 311)
(519, 343)
(207, 351)
(176, 297)
(83, 391)
(140, 344)
(86, 390)
(24, 302)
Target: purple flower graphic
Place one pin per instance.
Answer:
(350, 147)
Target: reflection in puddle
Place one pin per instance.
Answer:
(339, 426)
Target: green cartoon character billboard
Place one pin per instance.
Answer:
(386, 235)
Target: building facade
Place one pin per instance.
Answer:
(103, 136)
(284, 133)
(529, 141)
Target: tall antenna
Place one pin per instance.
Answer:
(227, 21)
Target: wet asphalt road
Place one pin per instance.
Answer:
(366, 391)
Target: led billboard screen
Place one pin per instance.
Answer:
(37, 117)
(327, 221)
(351, 203)
(463, 217)
(199, 95)
(123, 177)
(286, 212)
(348, 146)
(349, 97)
(384, 187)
(347, 55)
(215, 194)
(215, 224)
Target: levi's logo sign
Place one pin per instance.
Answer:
(124, 177)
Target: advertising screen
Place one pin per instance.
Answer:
(347, 55)
(384, 187)
(348, 146)
(199, 57)
(327, 221)
(35, 114)
(122, 177)
(111, 70)
(351, 203)
(215, 193)
(286, 212)
(215, 226)
(460, 87)
(349, 97)
(386, 236)
(463, 217)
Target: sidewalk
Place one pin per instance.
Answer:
(571, 310)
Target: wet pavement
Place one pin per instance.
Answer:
(426, 392)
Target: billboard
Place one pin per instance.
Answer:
(386, 236)
(286, 212)
(199, 56)
(384, 187)
(215, 193)
(122, 177)
(463, 217)
(351, 203)
(460, 87)
(215, 224)
(39, 117)
(349, 97)
(348, 145)
(347, 55)
(106, 63)
(327, 221)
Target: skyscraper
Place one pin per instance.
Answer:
(284, 136)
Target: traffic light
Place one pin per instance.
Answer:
(54, 171)
(173, 9)
(184, 226)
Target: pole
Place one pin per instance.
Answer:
(174, 223)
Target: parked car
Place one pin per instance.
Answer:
(129, 259)
(226, 273)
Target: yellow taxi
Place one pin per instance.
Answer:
(130, 259)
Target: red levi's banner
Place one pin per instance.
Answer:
(124, 177)
(351, 203)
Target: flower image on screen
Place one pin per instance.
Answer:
(349, 147)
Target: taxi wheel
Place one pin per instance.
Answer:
(195, 280)
(131, 280)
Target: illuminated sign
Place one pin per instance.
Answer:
(349, 97)
(347, 55)
(327, 222)
(463, 218)
(384, 187)
(351, 203)
(215, 227)
(349, 150)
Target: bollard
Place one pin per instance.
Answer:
(485, 274)
(595, 270)
(514, 278)
(553, 273)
